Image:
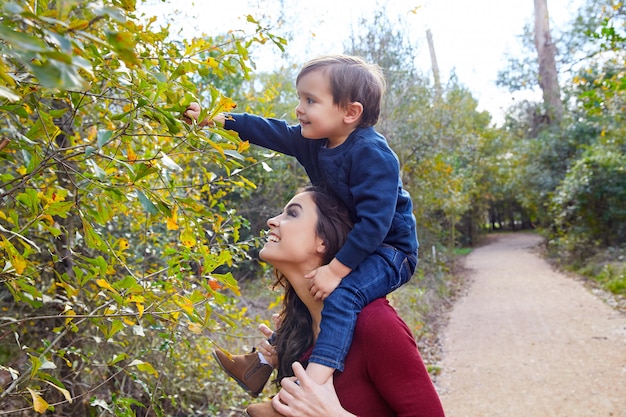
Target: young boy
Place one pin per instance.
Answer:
(339, 103)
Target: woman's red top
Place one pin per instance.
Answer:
(384, 374)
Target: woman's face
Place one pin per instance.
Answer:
(292, 241)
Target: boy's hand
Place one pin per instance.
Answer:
(193, 112)
(268, 351)
(325, 279)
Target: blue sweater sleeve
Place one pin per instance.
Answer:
(269, 133)
(279, 136)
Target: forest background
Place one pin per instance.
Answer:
(128, 238)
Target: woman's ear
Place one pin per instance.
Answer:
(321, 247)
(353, 112)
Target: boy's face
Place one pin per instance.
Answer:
(319, 116)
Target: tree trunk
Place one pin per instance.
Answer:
(66, 180)
(433, 63)
(546, 51)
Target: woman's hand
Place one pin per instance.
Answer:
(306, 398)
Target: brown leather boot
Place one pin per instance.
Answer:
(247, 370)
(262, 410)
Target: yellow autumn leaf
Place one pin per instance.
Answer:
(69, 313)
(102, 283)
(16, 259)
(48, 219)
(211, 62)
(144, 367)
(172, 222)
(185, 304)
(66, 393)
(130, 154)
(136, 298)
(225, 104)
(195, 328)
(243, 146)
(39, 404)
(188, 239)
(18, 263)
(92, 132)
(123, 244)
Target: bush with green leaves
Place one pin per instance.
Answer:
(591, 200)
(116, 234)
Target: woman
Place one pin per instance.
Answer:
(384, 374)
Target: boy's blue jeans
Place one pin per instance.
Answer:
(379, 274)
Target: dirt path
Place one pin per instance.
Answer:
(528, 341)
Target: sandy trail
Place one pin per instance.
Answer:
(526, 340)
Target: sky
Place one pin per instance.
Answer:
(471, 37)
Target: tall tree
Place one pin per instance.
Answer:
(548, 76)
(433, 62)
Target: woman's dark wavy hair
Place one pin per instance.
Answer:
(295, 334)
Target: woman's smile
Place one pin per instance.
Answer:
(271, 237)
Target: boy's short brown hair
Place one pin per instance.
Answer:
(351, 80)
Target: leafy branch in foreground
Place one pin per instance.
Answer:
(115, 226)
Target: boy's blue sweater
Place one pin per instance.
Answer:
(364, 172)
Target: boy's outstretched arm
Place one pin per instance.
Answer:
(325, 279)
(193, 112)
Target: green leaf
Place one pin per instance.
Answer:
(164, 208)
(234, 154)
(125, 283)
(102, 212)
(35, 363)
(118, 358)
(103, 137)
(173, 125)
(30, 199)
(123, 45)
(98, 172)
(43, 129)
(143, 170)
(15, 109)
(22, 42)
(92, 238)
(116, 326)
(59, 209)
(146, 203)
